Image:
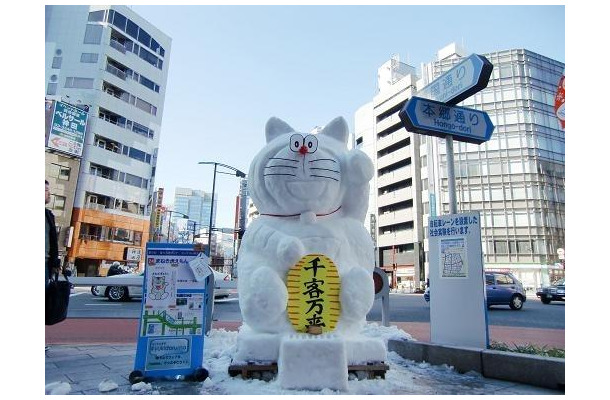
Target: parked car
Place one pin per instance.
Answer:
(124, 293)
(501, 288)
(218, 291)
(115, 269)
(554, 292)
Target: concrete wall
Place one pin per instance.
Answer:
(548, 372)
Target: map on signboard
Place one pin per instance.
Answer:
(185, 318)
(454, 262)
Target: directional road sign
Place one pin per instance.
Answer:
(460, 82)
(429, 117)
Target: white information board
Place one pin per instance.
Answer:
(458, 316)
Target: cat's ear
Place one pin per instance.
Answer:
(276, 127)
(337, 128)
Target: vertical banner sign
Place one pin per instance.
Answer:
(68, 125)
(458, 315)
(313, 294)
(172, 320)
(560, 100)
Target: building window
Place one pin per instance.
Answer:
(521, 218)
(60, 171)
(79, 83)
(138, 154)
(133, 180)
(499, 220)
(500, 247)
(96, 16)
(93, 34)
(90, 58)
(56, 64)
(52, 88)
(524, 246)
(58, 202)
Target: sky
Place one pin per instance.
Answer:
(233, 67)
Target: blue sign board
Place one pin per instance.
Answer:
(173, 316)
(433, 118)
(460, 82)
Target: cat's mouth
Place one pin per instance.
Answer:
(306, 190)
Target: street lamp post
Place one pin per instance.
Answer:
(195, 224)
(169, 222)
(239, 174)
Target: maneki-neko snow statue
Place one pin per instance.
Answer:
(305, 264)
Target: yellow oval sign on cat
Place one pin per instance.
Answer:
(313, 294)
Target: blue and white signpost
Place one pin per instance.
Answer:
(462, 81)
(459, 83)
(434, 118)
(457, 287)
(172, 326)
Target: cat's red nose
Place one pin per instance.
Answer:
(303, 150)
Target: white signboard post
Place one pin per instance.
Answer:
(458, 315)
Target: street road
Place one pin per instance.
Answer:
(403, 308)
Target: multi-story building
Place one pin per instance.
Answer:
(197, 204)
(114, 62)
(395, 212)
(515, 180)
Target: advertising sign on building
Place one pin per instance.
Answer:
(560, 100)
(456, 272)
(132, 254)
(173, 318)
(67, 131)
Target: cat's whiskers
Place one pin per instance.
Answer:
(327, 177)
(325, 169)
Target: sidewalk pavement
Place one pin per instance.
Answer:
(85, 364)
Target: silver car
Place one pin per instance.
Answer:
(124, 293)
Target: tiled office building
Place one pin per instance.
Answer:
(114, 62)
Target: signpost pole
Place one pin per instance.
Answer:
(451, 175)
(455, 248)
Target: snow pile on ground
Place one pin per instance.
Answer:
(403, 377)
(107, 385)
(57, 388)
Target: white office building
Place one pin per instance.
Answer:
(115, 63)
(395, 211)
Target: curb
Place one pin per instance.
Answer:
(547, 372)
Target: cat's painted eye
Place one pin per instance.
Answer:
(311, 142)
(296, 141)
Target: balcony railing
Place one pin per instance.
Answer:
(95, 206)
(118, 46)
(116, 72)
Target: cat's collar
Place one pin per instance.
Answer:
(299, 214)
